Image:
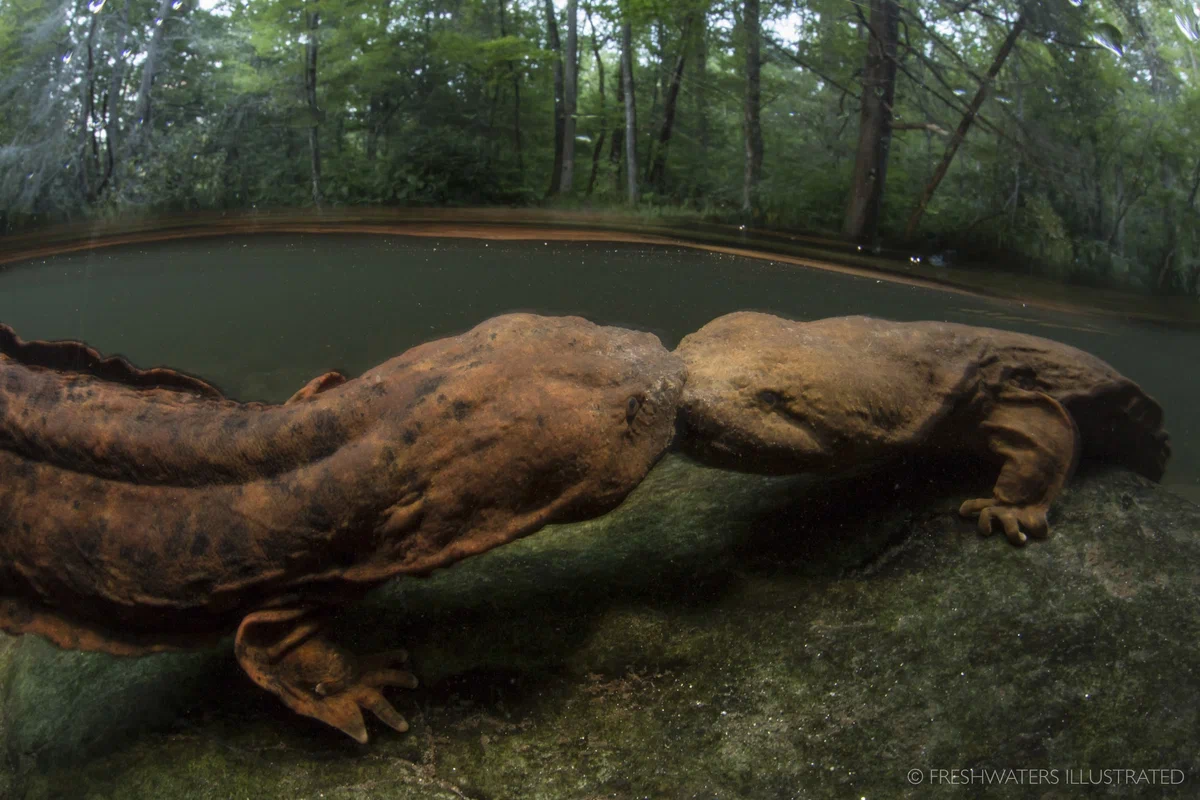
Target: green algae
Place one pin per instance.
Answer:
(718, 636)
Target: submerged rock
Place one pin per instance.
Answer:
(718, 636)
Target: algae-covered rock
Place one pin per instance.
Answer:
(718, 636)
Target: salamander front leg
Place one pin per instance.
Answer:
(1039, 443)
(283, 651)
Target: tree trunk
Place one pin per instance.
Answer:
(631, 171)
(570, 91)
(1170, 225)
(141, 118)
(964, 126)
(660, 35)
(659, 167)
(1127, 198)
(493, 107)
(752, 127)
(517, 127)
(1015, 198)
(112, 103)
(616, 150)
(87, 138)
(1120, 206)
(603, 108)
(516, 84)
(374, 106)
(1191, 201)
(372, 141)
(701, 88)
(875, 124)
(559, 119)
(310, 88)
(380, 107)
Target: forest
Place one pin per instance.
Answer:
(1057, 138)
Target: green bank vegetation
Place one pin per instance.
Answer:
(1054, 138)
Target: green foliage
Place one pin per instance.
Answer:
(1082, 164)
(1042, 236)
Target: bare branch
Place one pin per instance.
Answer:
(921, 126)
(802, 63)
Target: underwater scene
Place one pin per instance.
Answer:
(655, 399)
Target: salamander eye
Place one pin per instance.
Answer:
(768, 398)
(631, 407)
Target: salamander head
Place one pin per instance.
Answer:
(616, 394)
(532, 412)
(761, 394)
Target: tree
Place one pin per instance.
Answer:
(516, 88)
(1073, 155)
(313, 16)
(149, 66)
(631, 171)
(752, 123)
(556, 169)
(875, 122)
(112, 102)
(598, 147)
(964, 124)
(570, 101)
(657, 173)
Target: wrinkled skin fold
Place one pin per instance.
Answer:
(766, 394)
(141, 511)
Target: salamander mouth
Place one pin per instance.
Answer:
(704, 439)
(814, 440)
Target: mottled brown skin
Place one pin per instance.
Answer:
(769, 395)
(140, 511)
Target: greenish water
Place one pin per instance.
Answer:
(260, 315)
